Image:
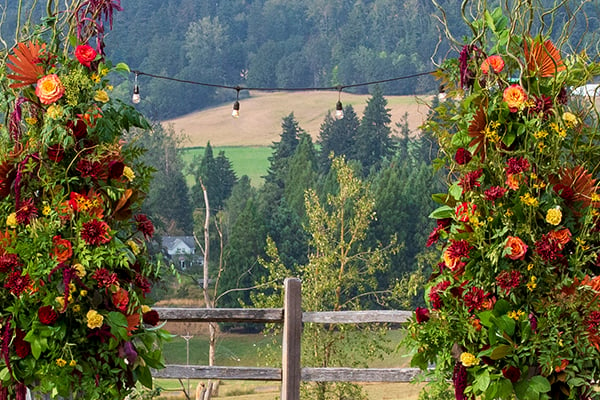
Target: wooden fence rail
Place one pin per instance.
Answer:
(291, 316)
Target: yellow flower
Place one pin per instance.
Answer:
(135, 249)
(46, 210)
(540, 134)
(96, 78)
(61, 301)
(83, 293)
(532, 283)
(529, 200)
(582, 244)
(554, 216)
(61, 362)
(559, 131)
(31, 120)
(94, 319)
(128, 173)
(72, 363)
(509, 213)
(516, 315)
(595, 197)
(11, 220)
(109, 87)
(101, 96)
(570, 119)
(104, 71)
(529, 267)
(468, 359)
(145, 309)
(79, 270)
(55, 111)
(76, 308)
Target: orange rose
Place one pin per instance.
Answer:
(450, 261)
(496, 63)
(562, 236)
(516, 248)
(515, 97)
(49, 89)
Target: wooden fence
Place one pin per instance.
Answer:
(291, 316)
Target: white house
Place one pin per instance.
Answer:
(180, 249)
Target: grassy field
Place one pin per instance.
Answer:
(261, 115)
(245, 160)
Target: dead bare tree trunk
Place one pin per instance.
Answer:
(212, 387)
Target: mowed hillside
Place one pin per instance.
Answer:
(261, 114)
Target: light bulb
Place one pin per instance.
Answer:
(339, 110)
(135, 99)
(235, 113)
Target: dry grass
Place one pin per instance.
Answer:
(261, 114)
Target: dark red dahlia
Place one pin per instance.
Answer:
(421, 315)
(95, 232)
(434, 236)
(434, 294)
(459, 249)
(548, 248)
(565, 192)
(542, 105)
(47, 315)
(151, 318)
(516, 165)
(104, 277)
(471, 180)
(9, 262)
(26, 211)
(91, 169)
(17, 283)
(508, 280)
(474, 299)
(143, 283)
(494, 193)
(144, 225)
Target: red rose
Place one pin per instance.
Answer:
(151, 318)
(22, 348)
(422, 315)
(511, 373)
(85, 54)
(47, 315)
(462, 156)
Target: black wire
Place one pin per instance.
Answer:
(283, 89)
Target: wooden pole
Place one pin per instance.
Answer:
(292, 335)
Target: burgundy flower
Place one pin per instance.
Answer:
(434, 236)
(516, 165)
(151, 318)
(474, 299)
(542, 105)
(494, 193)
(462, 156)
(143, 283)
(78, 128)
(22, 347)
(47, 315)
(471, 180)
(56, 152)
(459, 249)
(95, 232)
(91, 169)
(508, 280)
(104, 277)
(17, 283)
(467, 54)
(9, 262)
(144, 225)
(115, 169)
(421, 315)
(26, 211)
(459, 379)
(565, 192)
(511, 373)
(548, 248)
(434, 296)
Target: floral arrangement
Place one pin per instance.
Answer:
(513, 307)
(73, 262)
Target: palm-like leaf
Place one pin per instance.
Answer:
(25, 63)
(477, 132)
(542, 59)
(580, 181)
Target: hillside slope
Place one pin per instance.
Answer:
(261, 114)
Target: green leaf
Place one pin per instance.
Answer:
(501, 351)
(539, 383)
(501, 307)
(442, 212)
(482, 381)
(144, 376)
(122, 67)
(455, 191)
(506, 324)
(504, 389)
(489, 20)
(442, 198)
(36, 348)
(4, 374)
(484, 318)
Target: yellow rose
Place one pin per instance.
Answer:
(11, 220)
(128, 173)
(468, 359)
(570, 119)
(101, 96)
(79, 270)
(61, 301)
(554, 216)
(94, 319)
(145, 309)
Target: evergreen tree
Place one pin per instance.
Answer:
(168, 199)
(218, 178)
(302, 174)
(283, 150)
(373, 140)
(337, 136)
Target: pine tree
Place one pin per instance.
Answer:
(337, 136)
(373, 140)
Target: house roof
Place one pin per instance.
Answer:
(170, 242)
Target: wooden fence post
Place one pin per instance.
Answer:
(291, 369)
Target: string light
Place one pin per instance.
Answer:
(339, 109)
(135, 99)
(235, 113)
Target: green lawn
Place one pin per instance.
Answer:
(245, 160)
